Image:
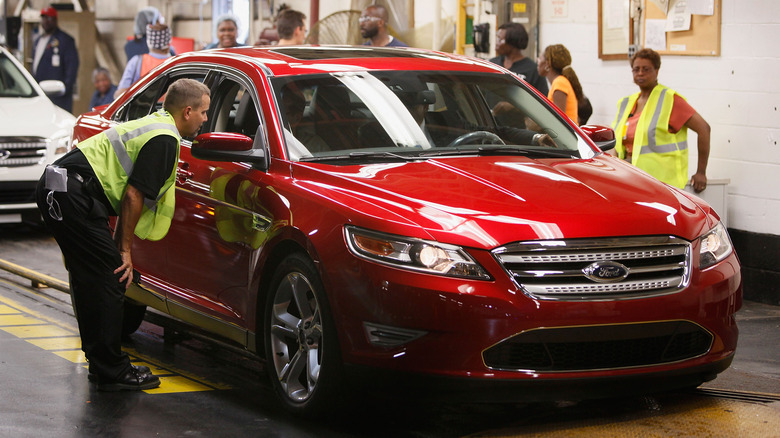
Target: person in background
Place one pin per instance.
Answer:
(373, 26)
(55, 57)
(227, 32)
(127, 171)
(651, 127)
(137, 45)
(565, 89)
(104, 89)
(291, 27)
(158, 37)
(269, 35)
(302, 138)
(511, 40)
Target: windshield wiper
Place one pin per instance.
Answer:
(527, 150)
(357, 156)
(504, 150)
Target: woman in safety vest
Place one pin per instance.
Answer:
(651, 127)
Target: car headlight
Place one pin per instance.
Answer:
(413, 254)
(714, 246)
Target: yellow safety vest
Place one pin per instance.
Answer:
(657, 151)
(112, 155)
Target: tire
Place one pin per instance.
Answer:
(303, 355)
(133, 316)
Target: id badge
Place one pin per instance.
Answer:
(56, 179)
(55, 60)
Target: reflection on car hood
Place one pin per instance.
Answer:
(490, 201)
(36, 116)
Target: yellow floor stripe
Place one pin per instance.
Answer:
(63, 343)
(5, 310)
(47, 334)
(6, 320)
(75, 356)
(172, 370)
(37, 331)
(173, 384)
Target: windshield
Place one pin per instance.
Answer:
(13, 83)
(417, 114)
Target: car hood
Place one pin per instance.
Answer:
(490, 201)
(35, 116)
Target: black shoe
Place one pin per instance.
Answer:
(94, 378)
(132, 380)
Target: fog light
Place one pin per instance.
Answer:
(388, 336)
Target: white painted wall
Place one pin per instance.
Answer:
(737, 93)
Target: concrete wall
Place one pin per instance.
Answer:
(734, 92)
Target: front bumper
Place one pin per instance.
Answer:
(462, 320)
(410, 386)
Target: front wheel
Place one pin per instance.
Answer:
(300, 340)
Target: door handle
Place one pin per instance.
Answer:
(183, 173)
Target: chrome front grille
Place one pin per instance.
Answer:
(598, 269)
(22, 151)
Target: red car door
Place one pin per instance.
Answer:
(219, 224)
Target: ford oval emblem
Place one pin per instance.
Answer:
(604, 272)
(4, 154)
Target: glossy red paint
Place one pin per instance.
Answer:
(234, 222)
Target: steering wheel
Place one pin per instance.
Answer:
(480, 137)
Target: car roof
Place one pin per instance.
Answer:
(291, 60)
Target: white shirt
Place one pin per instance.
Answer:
(39, 49)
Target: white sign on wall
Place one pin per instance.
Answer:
(560, 8)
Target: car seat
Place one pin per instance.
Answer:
(246, 121)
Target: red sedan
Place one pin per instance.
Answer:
(430, 217)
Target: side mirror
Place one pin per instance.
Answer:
(227, 146)
(603, 136)
(53, 88)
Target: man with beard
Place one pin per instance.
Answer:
(373, 26)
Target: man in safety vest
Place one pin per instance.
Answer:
(127, 171)
(651, 127)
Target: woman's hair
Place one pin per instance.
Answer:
(515, 35)
(559, 59)
(228, 17)
(650, 55)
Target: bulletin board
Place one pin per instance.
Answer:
(615, 30)
(702, 39)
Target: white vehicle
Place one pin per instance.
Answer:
(33, 133)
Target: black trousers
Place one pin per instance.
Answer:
(91, 256)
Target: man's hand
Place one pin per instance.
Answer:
(545, 140)
(126, 268)
(699, 182)
(132, 204)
